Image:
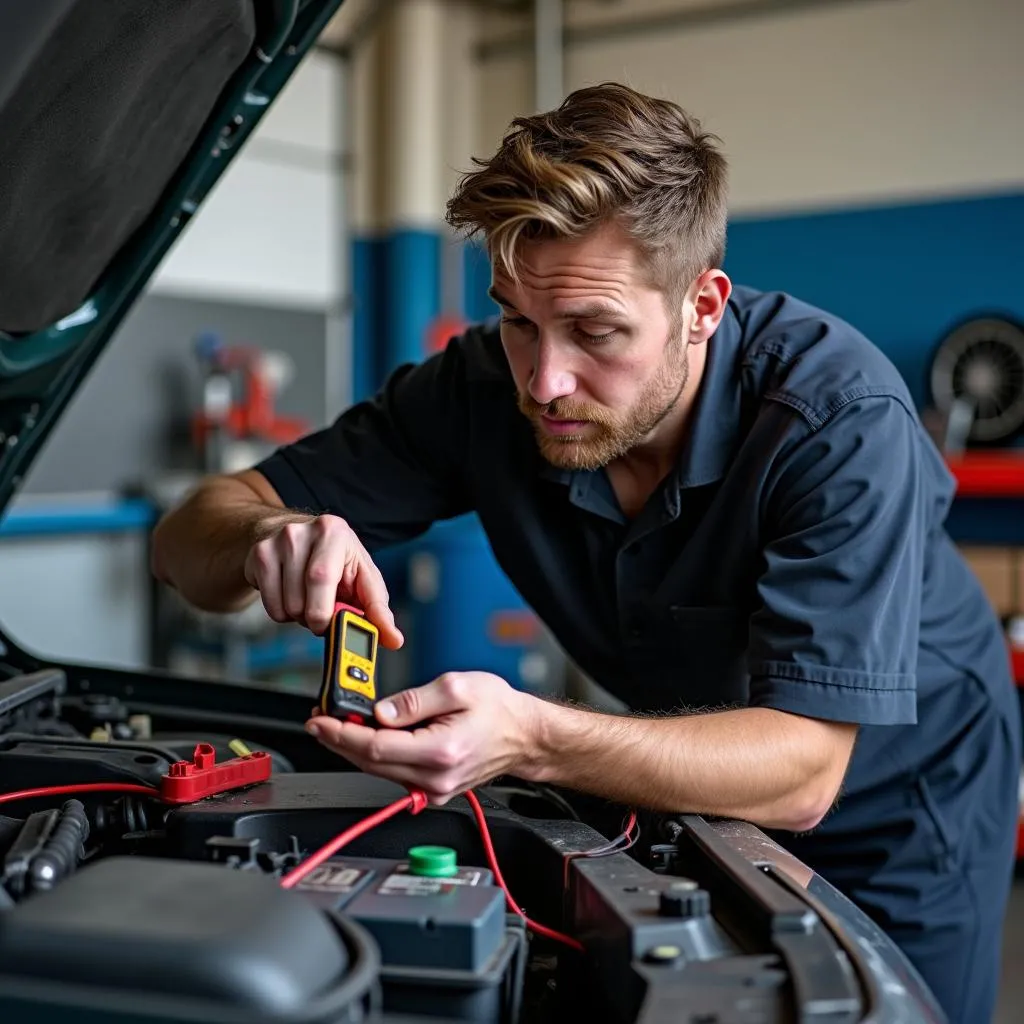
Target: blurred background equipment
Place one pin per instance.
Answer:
(977, 382)
(238, 423)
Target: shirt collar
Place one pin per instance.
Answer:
(715, 422)
(713, 427)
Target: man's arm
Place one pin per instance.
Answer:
(772, 768)
(233, 539)
(200, 547)
(765, 766)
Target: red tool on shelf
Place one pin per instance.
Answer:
(988, 474)
(241, 384)
(1017, 661)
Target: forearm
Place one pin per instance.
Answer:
(757, 764)
(200, 547)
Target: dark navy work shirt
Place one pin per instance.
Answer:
(794, 559)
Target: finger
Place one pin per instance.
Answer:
(331, 547)
(294, 541)
(372, 593)
(445, 695)
(263, 572)
(434, 750)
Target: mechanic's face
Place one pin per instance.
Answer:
(599, 365)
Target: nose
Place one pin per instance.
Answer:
(552, 376)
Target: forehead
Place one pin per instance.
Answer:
(605, 262)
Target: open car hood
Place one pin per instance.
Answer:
(116, 120)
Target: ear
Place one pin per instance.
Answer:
(710, 292)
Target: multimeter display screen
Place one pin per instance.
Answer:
(359, 641)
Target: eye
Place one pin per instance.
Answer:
(595, 339)
(516, 321)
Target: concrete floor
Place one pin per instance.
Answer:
(1011, 996)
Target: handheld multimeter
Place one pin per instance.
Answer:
(349, 688)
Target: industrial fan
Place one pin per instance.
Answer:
(977, 373)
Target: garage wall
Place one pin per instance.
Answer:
(876, 151)
(271, 232)
(829, 103)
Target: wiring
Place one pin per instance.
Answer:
(622, 842)
(534, 792)
(492, 860)
(414, 802)
(80, 787)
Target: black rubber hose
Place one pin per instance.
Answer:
(63, 850)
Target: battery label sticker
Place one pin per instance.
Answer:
(401, 883)
(333, 878)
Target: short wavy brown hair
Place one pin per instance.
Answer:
(607, 153)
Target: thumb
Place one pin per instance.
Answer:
(444, 695)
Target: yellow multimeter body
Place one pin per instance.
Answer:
(349, 687)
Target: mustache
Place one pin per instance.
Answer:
(562, 409)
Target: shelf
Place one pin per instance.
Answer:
(988, 474)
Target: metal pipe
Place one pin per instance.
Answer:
(715, 13)
(549, 76)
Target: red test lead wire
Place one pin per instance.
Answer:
(80, 787)
(492, 860)
(414, 802)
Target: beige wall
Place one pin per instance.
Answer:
(415, 90)
(835, 103)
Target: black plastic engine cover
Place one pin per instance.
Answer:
(232, 944)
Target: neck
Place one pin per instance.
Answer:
(636, 475)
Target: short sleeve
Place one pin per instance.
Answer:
(834, 634)
(391, 465)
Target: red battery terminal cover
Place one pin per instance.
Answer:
(187, 781)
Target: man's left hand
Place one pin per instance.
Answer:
(469, 728)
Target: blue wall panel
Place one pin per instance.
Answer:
(479, 306)
(367, 320)
(904, 275)
(412, 265)
(396, 296)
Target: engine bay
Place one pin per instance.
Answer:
(154, 867)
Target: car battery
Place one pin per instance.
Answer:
(446, 948)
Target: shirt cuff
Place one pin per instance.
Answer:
(291, 488)
(892, 700)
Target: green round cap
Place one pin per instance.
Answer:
(433, 861)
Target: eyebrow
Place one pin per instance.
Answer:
(589, 311)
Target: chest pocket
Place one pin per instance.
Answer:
(696, 658)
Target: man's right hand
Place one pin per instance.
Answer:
(305, 566)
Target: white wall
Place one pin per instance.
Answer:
(81, 597)
(846, 102)
(271, 231)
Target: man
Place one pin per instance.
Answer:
(723, 505)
